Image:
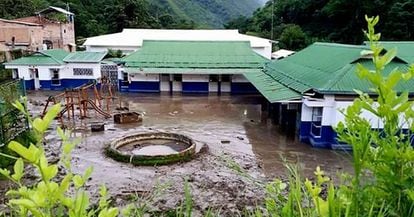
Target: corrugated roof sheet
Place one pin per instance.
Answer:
(328, 68)
(195, 54)
(272, 90)
(405, 49)
(85, 57)
(47, 57)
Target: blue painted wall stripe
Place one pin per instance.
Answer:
(195, 87)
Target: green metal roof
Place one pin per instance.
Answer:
(272, 90)
(405, 49)
(47, 57)
(328, 68)
(195, 54)
(195, 71)
(84, 57)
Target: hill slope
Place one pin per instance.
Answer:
(209, 13)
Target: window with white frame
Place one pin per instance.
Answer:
(82, 71)
(316, 125)
(55, 77)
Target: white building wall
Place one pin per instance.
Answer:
(332, 114)
(195, 78)
(22, 70)
(144, 77)
(238, 78)
(264, 51)
(67, 72)
(44, 71)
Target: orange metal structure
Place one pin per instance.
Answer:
(78, 98)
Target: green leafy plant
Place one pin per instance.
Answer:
(50, 197)
(383, 158)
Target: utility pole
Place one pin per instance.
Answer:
(273, 14)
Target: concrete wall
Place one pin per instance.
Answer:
(36, 30)
(331, 116)
(264, 51)
(66, 77)
(67, 73)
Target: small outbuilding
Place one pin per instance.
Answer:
(57, 69)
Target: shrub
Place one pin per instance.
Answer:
(49, 197)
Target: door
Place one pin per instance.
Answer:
(165, 83)
(35, 75)
(213, 85)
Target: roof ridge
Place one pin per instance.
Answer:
(198, 41)
(339, 45)
(49, 55)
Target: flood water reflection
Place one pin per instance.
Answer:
(212, 119)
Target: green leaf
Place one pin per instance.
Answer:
(5, 172)
(88, 173)
(52, 113)
(18, 170)
(389, 56)
(65, 183)
(78, 181)
(40, 125)
(22, 151)
(17, 104)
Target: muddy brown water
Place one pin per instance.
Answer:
(232, 127)
(152, 147)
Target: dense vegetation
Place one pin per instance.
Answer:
(107, 16)
(381, 183)
(328, 20)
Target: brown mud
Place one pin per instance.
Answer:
(232, 127)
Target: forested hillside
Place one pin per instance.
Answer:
(300, 22)
(94, 17)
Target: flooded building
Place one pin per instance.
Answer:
(318, 82)
(51, 28)
(191, 67)
(57, 69)
(131, 40)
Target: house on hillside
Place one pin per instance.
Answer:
(317, 82)
(57, 69)
(51, 28)
(190, 67)
(131, 40)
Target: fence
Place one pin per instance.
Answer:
(12, 122)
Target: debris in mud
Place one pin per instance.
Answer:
(240, 138)
(97, 127)
(225, 141)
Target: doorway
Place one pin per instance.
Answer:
(34, 73)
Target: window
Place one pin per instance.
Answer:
(125, 76)
(316, 125)
(82, 71)
(55, 77)
(225, 78)
(214, 78)
(178, 77)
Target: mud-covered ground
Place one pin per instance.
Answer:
(230, 127)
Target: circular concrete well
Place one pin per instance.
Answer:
(152, 149)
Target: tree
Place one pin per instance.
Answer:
(293, 38)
